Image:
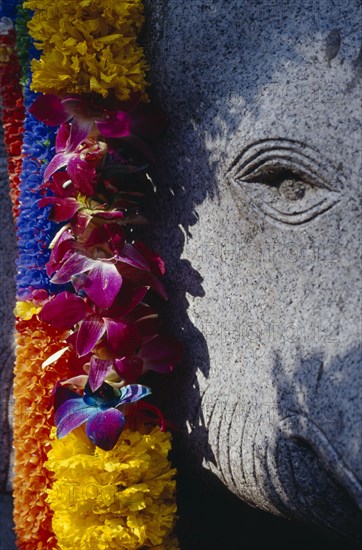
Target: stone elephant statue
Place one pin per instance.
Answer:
(258, 220)
(257, 217)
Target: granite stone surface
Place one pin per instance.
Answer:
(258, 219)
(7, 304)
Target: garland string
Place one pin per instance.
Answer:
(91, 462)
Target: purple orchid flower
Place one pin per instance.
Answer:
(66, 310)
(83, 114)
(80, 156)
(104, 421)
(81, 211)
(133, 123)
(101, 264)
(151, 351)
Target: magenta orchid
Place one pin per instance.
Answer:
(99, 265)
(79, 158)
(97, 178)
(83, 113)
(81, 211)
(125, 338)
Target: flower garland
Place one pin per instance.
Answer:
(86, 328)
(122, 498)
(11, 103)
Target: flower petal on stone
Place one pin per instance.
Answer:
(118, 124)
(161, 354)
(48, 108)
(131, 256)
(90, 331)
(99, 368)
(64, 311)
(72, 414)
(105, 428)
(102, 284)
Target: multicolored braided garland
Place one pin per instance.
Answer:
(91, 466)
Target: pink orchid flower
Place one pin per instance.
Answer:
(80, 159)
(84, 114)
(125, 339)
(101, 264)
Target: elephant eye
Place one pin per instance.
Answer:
(286, 181)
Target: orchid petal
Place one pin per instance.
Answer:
(133, 392)
(105, 427)
(102, 284)
(161, 354)
(48, 108)
(127, 299)
(131, 256)
(123, 339)
(62, 209)
(109, 215)
(61, 247)
(82, 174)
(64, 311)
(61, 139)
(79, 131)
(129, 368)
(117, 125)
(154, 260)
(148, 326)
(99, 368)
(62, 394)
(76, 263)
(59, 161)
(80, 222)
(72, 414)
(90, 331)
(107, 232)
(158, 286)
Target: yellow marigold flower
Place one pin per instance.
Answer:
(36, 341)
(25, 310)
(123, 498)
(88, 46)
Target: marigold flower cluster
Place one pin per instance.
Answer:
(88, 47)
(32, 425)
(122, 498)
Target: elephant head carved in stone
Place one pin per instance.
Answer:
(258, 219)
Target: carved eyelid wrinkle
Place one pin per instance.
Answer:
(297, 157)
(262, 167)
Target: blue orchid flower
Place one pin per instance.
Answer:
(104, 422)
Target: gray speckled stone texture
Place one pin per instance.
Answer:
(258, 218)
(7, 303)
